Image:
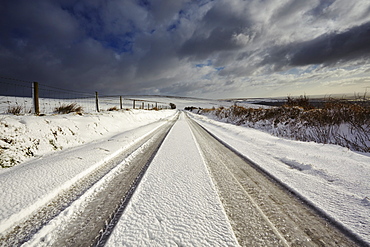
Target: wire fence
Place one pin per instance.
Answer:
(26, 97)
(15, 93)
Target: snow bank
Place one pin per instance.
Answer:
(339, 126)
(23, 137)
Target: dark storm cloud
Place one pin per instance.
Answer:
(326, 49)
(216, 32)
(43, 42)
(77, 44)
(219, 39)
(334, 47)
(225, 16)
(26, 24)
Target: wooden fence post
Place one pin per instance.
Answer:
(142, 105)
(97, 101)
(120, 102)
(36, 104)
(133, 104)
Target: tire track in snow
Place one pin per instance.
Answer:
(260, 210)
(104, 236)
(176, 203)
(60, 206)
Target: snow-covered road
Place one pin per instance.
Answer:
(37, 191)
(333, 179)
(194, 193)
(262, 211)
(176, 203)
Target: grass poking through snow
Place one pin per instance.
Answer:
(339, 122)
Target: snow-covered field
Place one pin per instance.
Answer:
(334, 179)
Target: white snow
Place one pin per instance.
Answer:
(181, 103)
(176, 203)
(333, 178)
(26, 136)
(28, 186)
(49, 233)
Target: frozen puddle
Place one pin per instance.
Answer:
(176, 203)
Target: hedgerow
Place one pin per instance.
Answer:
(340, 122)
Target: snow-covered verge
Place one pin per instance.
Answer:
(333, 178)
(27, 136)
(347, 125)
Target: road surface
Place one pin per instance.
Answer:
(178, 186)
(259, 211)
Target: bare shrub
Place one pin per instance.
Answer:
(114, 108)
(303, 101)
(339, 122)
(65, 109)
(206, 110)
(15, 110)
(190, 108)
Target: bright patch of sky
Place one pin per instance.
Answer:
(201, 65)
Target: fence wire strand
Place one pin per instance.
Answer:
(16, 97)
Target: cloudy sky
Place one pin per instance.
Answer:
(200, 48)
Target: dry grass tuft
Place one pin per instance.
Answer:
(114, 108)
(65, 109)
(15, 110)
